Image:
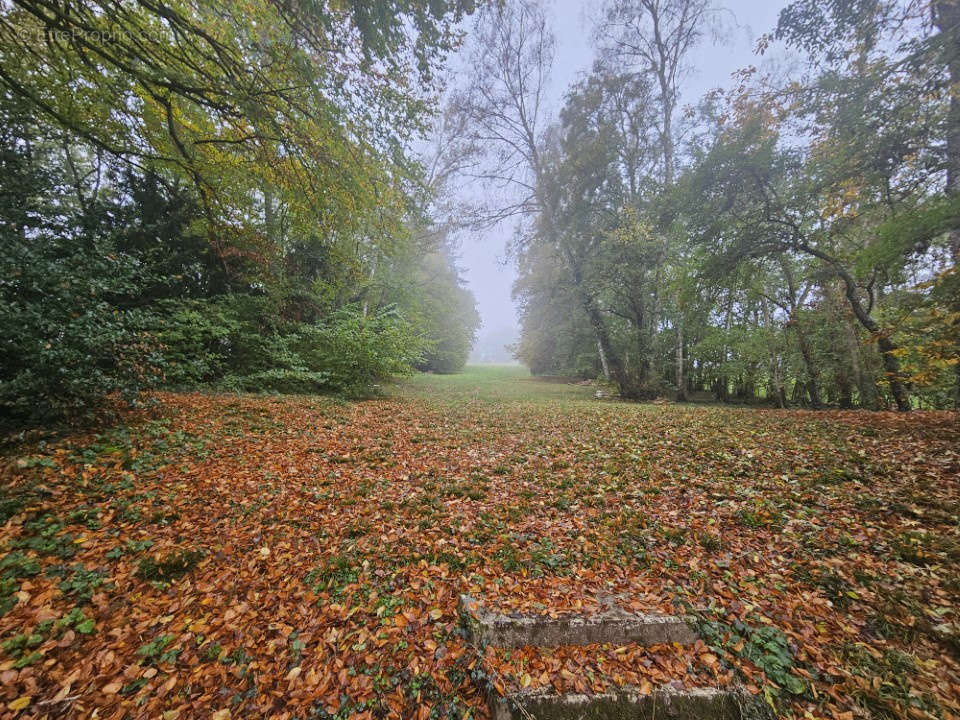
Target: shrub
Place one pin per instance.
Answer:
(194, 336)
(356, 351)
(65, 345)
(237, 343)
(279, 380)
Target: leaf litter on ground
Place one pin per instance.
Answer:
(238, 556)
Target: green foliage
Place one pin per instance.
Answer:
(80, 582)
(709, 541)
(157, 651)
(340, 571)
(66, 346)
(196, 337)
(446, 313)
(200, 240)
(13, 567)
(150, 102)
(77, 620)
(279, 380)
(347, 352)
(358, 350)
(43, 536)
(11, 504)
(803, 253)
(765, 646)
(22, 648)
(65, 341)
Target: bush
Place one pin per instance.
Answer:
(65, 345)
(356, 351)
(237, 343)
(280, 381)
(194, 336)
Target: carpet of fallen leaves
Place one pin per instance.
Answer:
(221, 556)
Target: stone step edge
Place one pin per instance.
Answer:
(628, 703)
(613, 626)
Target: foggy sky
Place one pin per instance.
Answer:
(489, 273)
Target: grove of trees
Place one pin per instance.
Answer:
(221, 194)
(237, 196)
(792, 240)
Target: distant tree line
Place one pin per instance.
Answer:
(220, 194)
(792, 240)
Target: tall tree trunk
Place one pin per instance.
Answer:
(798, 391)
(617, 370)
(844, 389)
(603, 360)
(888, 348)
(891, 365)
(865, 384)
(778, 390)
(667, 139)
(721, 386)
(888, 351)
(681, 386)
(813, 372)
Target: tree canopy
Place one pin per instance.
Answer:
(791, 240)
(202, 192)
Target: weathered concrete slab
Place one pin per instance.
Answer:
(626, 704)
(614, 625)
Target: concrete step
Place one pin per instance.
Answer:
(614, 625)
(626, 704)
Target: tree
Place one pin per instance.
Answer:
(65, 345)
(900, 64)
(654, 38)
(305, 104)
(216, 194)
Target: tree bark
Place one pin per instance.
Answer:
(888, 350)
(777, 388)
(681, 386)
(863, 380)
(603, 360)
(618, 372)
(813, 373)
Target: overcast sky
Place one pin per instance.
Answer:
(487, 270)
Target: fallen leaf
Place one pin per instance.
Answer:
(20, 703)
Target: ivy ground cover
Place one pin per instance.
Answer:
(224, 556)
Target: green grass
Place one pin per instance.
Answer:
(495, 384)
